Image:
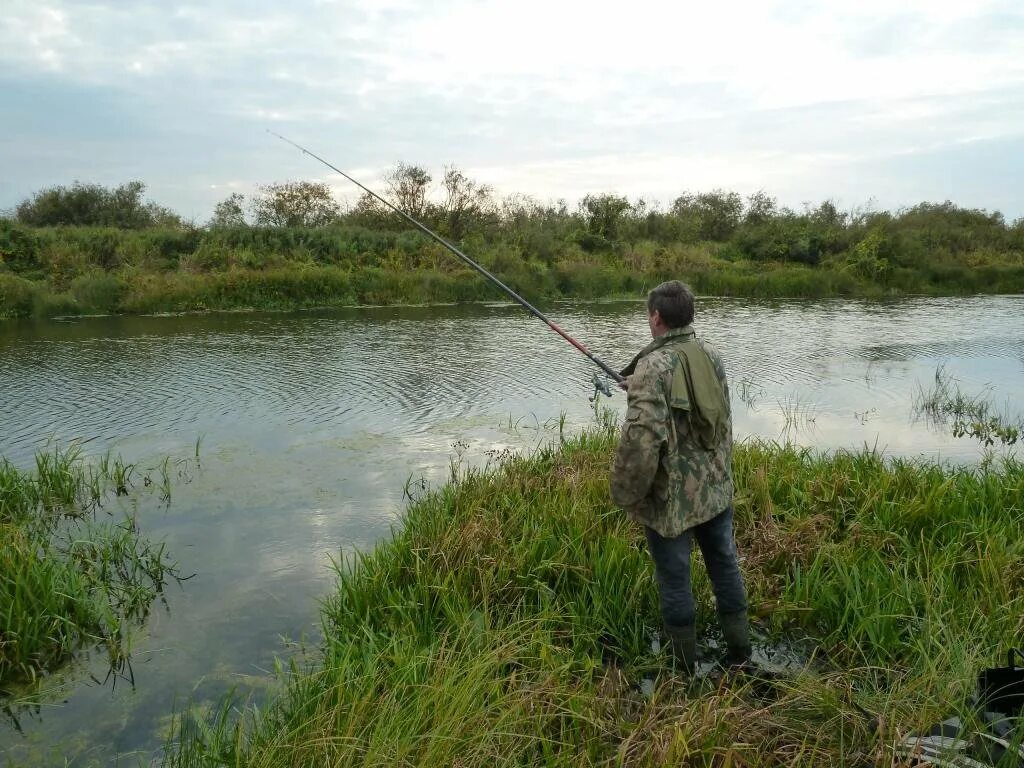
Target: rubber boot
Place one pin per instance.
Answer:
(683, 641)
(736, 630)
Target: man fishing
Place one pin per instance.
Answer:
(672, 472)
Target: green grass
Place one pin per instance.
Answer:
(509, 621)
(70, 574)
(53, 271)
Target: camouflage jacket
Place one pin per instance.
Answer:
(662, 476)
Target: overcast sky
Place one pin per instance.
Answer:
(876, 100)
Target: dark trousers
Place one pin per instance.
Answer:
(672, 569)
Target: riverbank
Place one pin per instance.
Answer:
(56, 271)
(509, 622)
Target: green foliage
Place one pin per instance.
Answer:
(102, 247)
(760, 208)
(229, 212)
(867, 258)
(68, 579)
(294, 204)
(17, 296)
(98, 292)
(944, 404)
(466, 205)
(94, 205)
(930, 228)
(769, 233)
(591, 280)
(709, 215)
(607, 247)
(602, 215)
(48, 305)
(19, 249)
(408, 185)
(168, 246)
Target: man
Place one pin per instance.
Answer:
(673, 472)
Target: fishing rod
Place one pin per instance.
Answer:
(600, 385)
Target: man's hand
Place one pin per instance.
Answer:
(624, 385)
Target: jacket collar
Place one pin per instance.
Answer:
(675, 334)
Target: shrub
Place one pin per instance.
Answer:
(62, 262)
(98, 291)
(101, 246)
(294, 204)
(589, 280)
(19, 248)
(591, 242)
(93, 205)
(171, 244)
(210, 256)
(16, 296)
(54, 305)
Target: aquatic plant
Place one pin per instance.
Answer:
(796, 413)
(69, 576)
(988, 431)
(749, 392)
(509, 622)
(944, 404)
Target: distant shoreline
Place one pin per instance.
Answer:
(51, 272)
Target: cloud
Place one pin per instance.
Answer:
(654, 97)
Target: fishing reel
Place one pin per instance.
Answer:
(601, 387)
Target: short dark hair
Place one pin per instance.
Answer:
(674, 302)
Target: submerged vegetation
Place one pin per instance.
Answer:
(944, 404)
(86, 249)
(69, 575)
(510, 622)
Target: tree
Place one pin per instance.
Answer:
(603, 214)
(466, 202)
(94, 205)
(713, 215)
(408, 185)
(760, 208)
(371, 212)
(229, 212)
(294, 204)
(828, 215)
(538, 231)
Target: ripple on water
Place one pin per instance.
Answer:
(406, 370)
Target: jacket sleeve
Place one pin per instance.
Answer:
(644, 433)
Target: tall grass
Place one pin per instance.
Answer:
(71, 270)
(70, 576)
(509, 622)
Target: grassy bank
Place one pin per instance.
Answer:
(509, 622)
(52, 271)
(70, 575)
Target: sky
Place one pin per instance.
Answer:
(878, 103)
